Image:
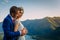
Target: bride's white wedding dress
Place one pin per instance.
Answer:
(20, 28)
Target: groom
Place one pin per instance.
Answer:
(8, 26)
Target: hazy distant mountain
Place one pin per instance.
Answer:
(1, 27)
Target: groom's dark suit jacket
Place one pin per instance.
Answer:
(8, 28)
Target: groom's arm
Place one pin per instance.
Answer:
(7, 30)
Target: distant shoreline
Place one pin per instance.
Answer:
(1, 32)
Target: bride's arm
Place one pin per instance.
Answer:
(16, 26)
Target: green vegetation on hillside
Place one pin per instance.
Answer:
(1, 36)
(54, 22)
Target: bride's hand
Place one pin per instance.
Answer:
(26, 30)
(23, 32)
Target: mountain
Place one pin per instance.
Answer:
(45, 27)
(1, 27)
(37, 26)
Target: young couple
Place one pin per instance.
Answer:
(12, 27)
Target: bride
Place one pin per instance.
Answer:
(20, 26)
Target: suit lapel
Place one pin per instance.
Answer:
(10, 19)
(12, 24)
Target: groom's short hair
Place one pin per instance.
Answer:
(13, 10)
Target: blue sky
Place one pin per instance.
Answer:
(33, 9)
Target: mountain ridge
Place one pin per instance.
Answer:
(44, 27)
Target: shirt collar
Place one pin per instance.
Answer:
(11, 17)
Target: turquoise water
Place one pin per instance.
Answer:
(28, 37)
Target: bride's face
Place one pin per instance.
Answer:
(19, 14)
